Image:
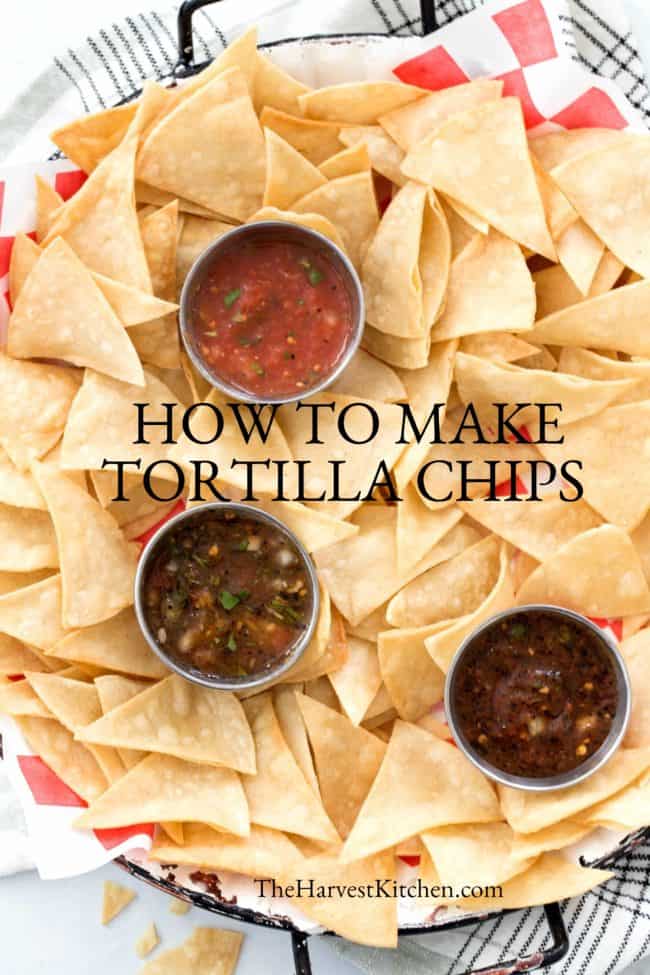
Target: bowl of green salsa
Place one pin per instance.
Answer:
(226, 596)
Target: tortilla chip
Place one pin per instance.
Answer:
(157, 341)
(289, 175)
(292, 726)
(97, 564)
(241, 54)
(275, 88)
(350, 204)
(207, 951)
(554, 148)
(17, 659)
(28, 540)
(484, 383)
(606, 188)
(103, 423)
(403, 294)
(179, 907)
(358, 680)
(32, 614)
(100, 223)
(18, 698)
(113, 691)
(147, 941)
(24, 255)
(364, 372)
(610, 321)
(165, 788)
(72, 702)
(537, 527)
(279, 796)
(67, 758)
(449, 590)
(413, 122)
(582, 362)
(497, 346)
(489, 283)
(196, 235)
(405, 353)
(116, 898)
(347, 759)
(552, 877)
(61, 313)
(626, 809)
(354, 159)
(317, 141)
(210, 148)
(343, 567)
(366, 920)
(443, 645)
(422, 782)
(116, 644)
(413, 681)
(597, 573)
(358, 102)
(613, 465)
(47, 203)
(385, 156)
(555, 289)
(91, 137)
(476, 854)
(528, 812)
(262, 854)
(175, 717)
(580, 253)
(636, 651)
(480, 157)
(313, 221)
(419, 528)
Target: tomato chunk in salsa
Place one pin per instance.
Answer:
(536, 694)
(227, 595)
(272, 317)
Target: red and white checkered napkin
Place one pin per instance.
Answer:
(519, 42)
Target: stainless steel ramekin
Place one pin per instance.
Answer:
(267, 230)
(223, 683)
(599, 757)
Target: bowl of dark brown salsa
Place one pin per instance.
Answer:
(226, 596)
(538, 697)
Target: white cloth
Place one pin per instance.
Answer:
(609, 928)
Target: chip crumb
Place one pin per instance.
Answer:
(116, 898)
(147, 941)
(207, 951)
(177, 906)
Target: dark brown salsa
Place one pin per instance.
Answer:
(536, 694)
(227, 595)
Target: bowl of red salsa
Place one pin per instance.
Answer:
(271, 312)
(226, 596)
(538, 697)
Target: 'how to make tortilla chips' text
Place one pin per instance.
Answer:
(485, 453)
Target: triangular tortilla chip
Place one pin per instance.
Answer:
(24, 255)
(262, 854)
(48, 202)
(28, 540)
(365, 372)
(401, 352)
(116, 898)
(497, 346)
(116, 644)
(528, 812)
(100, 222)
(210, 148)
(385, 156)
(91, 137)
(413, 681)
(72, 702)
(278, 795)
(413, 122)
(317, 141)
(583, 362)
(292, 726)
(207, 951)
(606, 188)
(613, 466)
(555, 148)
(19, 699)
(489, 286)
(288, 174)
(357, 681)
(597, 573)
(555, 290)
(114, 690)
(422, 782)
(162, 787)
(62, 314)
(347, 760)
(158, 341)
(443, 645)
(131, 306)
(354, 159)
(147, 941)
(103, 423)
(34, 403)
(580, 253)
(17, 659)
(313, 221)
(67, 758)
(614, 320)
(275, 88)
(636, 651)
(357, 102)
(419, 528)
(479, 853)
(32, 614)
(97, 563)
(406, 267)
(480, 157)
(350, 204)
(178, 718)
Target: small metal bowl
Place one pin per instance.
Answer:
(190, 673)
(591, 764)
(270, 230)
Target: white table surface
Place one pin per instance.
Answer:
(54, 926)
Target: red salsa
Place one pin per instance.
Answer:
(535, 695)
(227, 595)
(272, 317)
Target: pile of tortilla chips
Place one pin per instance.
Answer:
(503, 268)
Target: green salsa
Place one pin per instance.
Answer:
(227, 595)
